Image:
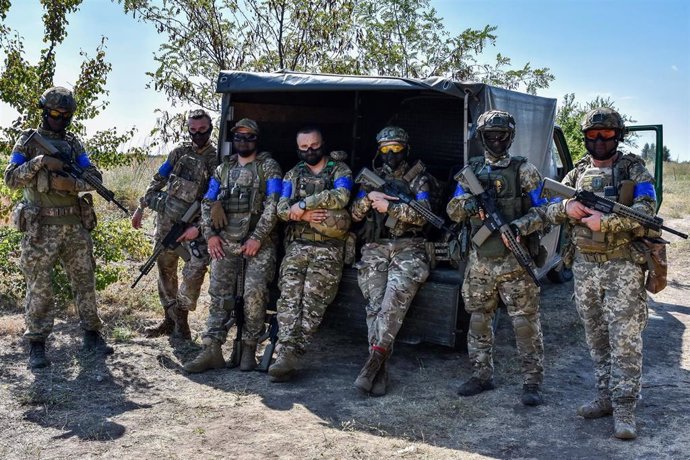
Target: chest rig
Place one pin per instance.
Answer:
(310, 184)
(503, 184)
(242, 192)
(187, 182)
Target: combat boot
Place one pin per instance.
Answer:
(211, 357)
(166, 327)
(624, 420)
(597, 408)
(381, 381)
(248, 358)
(94, 342)
(365, 379)
(37, 355)
(474, 386)
(179, 318)
(284, 367)
(531, 395)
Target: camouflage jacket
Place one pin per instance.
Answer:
(403, 219)
(25, 171)
(260, 222)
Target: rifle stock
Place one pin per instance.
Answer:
(606, 206)
(272, 336)
(74, 170)
(494, 221)
(236, 355)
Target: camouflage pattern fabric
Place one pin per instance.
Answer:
(185, 175)
(309, 277)
(259, 272)
(57, 238)
(487, 278)
(390, 274)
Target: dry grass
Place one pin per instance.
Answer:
(676, 187)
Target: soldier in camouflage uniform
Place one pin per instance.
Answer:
(313, 200)
(492, 270)
(56, 223)
(239, 217)
(609, 280)
(180, 181)
(394, 261)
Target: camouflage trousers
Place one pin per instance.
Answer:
(612, 303)
(193, 274)
(309, 279)
(390, 274)
(72, 246)
(258, 273)
(487, 279)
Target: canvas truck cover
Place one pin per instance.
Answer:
(535, 116)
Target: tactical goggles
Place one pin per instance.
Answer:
(56, 114)
(238, 137)
(496, 136)
(603, 134)
(392, 148)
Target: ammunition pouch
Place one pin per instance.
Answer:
(157, 202)
(350, 249)
(87, 212)
(183, 189)
(240, 224)
(620, 253)
(26, 218)
(336, 224)
(652, 253)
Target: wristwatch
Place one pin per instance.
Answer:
(302, 204)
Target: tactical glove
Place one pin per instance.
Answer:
(51, 163)
(218, 218)
(62, 183)
(471, 206)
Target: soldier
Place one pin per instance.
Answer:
(609, 280)
(394, 261)
(56, 223)
(492, 270)
(184, 175)
(239, 217)
(313, 200)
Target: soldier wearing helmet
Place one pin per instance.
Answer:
(56, 220)
(181, 180)
(394, 261)
(311, 269)
(493, 272)
(609, 280)
(238, 220)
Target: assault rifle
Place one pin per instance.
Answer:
(272, 336)
(494, 221)
(601, 204)
(368, 177)
(73, 170)
(238, 314)
(170, 242)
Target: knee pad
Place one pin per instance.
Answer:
(480, 323)
(523, 327)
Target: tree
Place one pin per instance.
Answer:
(569, 117)
(381, 37)
(647, 151)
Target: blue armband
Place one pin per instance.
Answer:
(274, 185)
(83, 160)
(458, 191)
(17, 158)
(287, 189)
(644, 189)
(213, 189)
(343, 182)
(165, 169)
(422, 196)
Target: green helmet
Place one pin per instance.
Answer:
(392, 134)
(496, 120)
(602, 118)
(58, 97)
(336, 224)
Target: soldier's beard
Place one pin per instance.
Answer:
(245, 152)
(310, 156)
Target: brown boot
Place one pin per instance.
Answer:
(164, 328)
(179, 317)
(284, 367)
(365, 379)
(624, 420)
(381, 381)
(211, 357)
(597, 408)
(248, 358)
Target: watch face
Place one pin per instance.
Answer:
(302, 205)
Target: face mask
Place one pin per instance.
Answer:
(310, 156)
(393, 160)
(244, 144)
(200, 138)
(600, 149)
(56, 125)
(496, 144)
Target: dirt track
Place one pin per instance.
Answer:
(139, 404)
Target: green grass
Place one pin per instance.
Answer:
(676, 188)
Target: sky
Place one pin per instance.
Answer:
(637, 52)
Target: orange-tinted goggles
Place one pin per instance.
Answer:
(392, 148)
(604, 134)
(56, 114)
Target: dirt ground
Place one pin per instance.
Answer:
(139, 403)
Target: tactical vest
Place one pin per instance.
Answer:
(504, 185)
(242, 192)
(605, 182)
(187, 182)
(309, 184)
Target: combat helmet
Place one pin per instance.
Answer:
(496, 120)
(392, 134)
(335, 225)
(604, 118)
(57, 97)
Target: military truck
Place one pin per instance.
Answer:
(439, 114)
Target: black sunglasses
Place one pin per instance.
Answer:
(244, 137)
